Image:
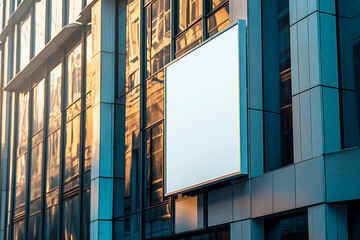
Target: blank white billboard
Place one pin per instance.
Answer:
(206, 113)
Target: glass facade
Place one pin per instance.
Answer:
(349, 75)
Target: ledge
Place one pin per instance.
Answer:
(36, 62)
(85, 14)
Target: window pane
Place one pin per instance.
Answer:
(51, 223)
(53, 161)
(34, 227)
(55, 99)
(6, 60)
(128, 228)
(23, 122)
(158, 221)
(20, 181)
(195, 10)
(215, 3)
(75, 7)
(40, 13)
(218, 21)
(155, 159)
(38, 106)
(70, 229)
(89, 64)
(25, 35)
(287, 228)
(189, 11)
(155, 99)
(88, 139)
(35, 172)
(56, 17)
(160, 34)
(191, 38)
(19, 231)
(133, 45)
(74, 75)
(132, 130)
(86, 215)
(72, 148)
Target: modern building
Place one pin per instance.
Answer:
(83, 128)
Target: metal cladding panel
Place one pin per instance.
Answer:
(206, 113)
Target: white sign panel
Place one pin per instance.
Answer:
(206, 113)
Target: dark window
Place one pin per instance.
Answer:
(287, 228)
(353, 211)
(278, 133)
(348, 13)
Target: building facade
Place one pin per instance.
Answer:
(82, 106)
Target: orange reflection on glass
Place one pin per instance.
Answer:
(55, 99)
(72, 148)
(155, 99)
(88, 139)
(20, 181)
(23, 126)
(218, 21)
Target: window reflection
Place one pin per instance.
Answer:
(23, 122)
(158, 221)
(20, 182)
(159, 34)
(55, 99)
(51, 223)
(34, 227)
(56, 17)
(6, 61)
(19, 231)
(349, 57)
(90, 73)
(35, 172)
(133, 44)
(189, 39)
(72, 148)
(74, 75)
(132, 130)
(155, 99)
(38, 111)
(53, 160)
(189, 11)
(155, 159)
(70, 229)
(218, 21)
(40, 13)
(75, 7)
(88, 139)
(25, 35)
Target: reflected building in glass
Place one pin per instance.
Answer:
(82, 130)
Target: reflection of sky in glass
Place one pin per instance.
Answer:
(40, 11)
(55, 99)
(74, 75)
(56, 17)
(25, 36)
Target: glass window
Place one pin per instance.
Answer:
(6, 61)
(132, 130)
(20, 181)
(25, 35)
(56, 17)
(349, 65)
(23, 127)
(1, 14)
(7, 10)
(85, 229)
(75, 7)
(158, 221)
(74, 75)
(38, 111)
(295, 227)
(89, 64)
(88, 139)
(189, 39)
(155, 99)
(133, 45)
(278, 142)
(51, 223)
(34, 227)
(155, 159)
(72, 148)
(70, 226)
(35, 172)
(19, 231)
(189, 11)
(40, 13)
(55, 99)
(159, 34)
(189, 213)
(218, 21)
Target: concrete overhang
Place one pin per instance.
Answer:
(18, 83)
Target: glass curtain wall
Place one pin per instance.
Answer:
(39, 26)
(144, 211)
(278, 133)
(348, 17)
